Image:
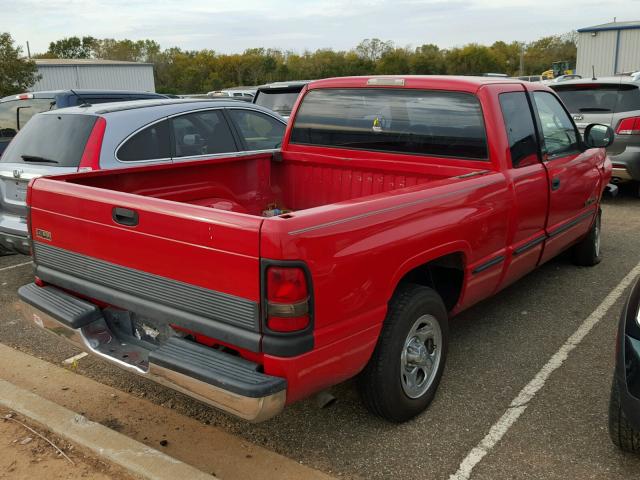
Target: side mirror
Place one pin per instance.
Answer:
(598, 136)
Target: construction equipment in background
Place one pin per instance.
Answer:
(557, 69)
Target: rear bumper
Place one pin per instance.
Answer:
(13, 234)
(626, 165)
(219, 379)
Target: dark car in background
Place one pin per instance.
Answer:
(279, 96)
(624, 406)
(125, 134)
(615, 102)
(17, 110)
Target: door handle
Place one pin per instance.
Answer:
(125, 216)
(555, 183)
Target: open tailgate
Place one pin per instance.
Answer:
(190, 266)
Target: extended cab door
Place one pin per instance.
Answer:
(573, 176)
(528, 177)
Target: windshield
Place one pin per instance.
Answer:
(595, 97)
(58, 140)
(281, 102)
(15, 111)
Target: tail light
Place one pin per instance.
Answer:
(91, 156)
(287, 295)
(629, 126)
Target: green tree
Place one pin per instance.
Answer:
(472, 59)
(17, 74)
(72, 47)
(373, 48)
(428, 60)
(395, 62)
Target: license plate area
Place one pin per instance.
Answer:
(16, 190)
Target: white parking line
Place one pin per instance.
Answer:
(14, 266)
(520, 403)
(75, 358)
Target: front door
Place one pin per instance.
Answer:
(574, 180)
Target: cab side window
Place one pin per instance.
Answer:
(558, 131)
(518, 122)
(259, 131)
(151, 143)
(202, 133)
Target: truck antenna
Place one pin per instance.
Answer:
(593, 72)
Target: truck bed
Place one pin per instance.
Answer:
(260, 185)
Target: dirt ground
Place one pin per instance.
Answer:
(25, 456)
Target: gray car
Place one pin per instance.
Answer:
(611, 101)
(124, 134)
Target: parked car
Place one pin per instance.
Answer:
(279, 96)
(17, 110)
(531, 78)
(252, 282)
(245, 95)
(611, 101)
(564, 78)
(123, 134)
(624, 406)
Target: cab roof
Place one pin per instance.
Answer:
(439, 82)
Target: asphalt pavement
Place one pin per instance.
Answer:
(497, 347)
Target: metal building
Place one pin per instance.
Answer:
(610, 48)
(62, 74)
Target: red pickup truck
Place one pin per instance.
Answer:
(252, 281)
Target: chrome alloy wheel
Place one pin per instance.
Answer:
(420, 356)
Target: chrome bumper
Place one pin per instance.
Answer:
(99, 340)
(622, 174)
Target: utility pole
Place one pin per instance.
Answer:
(522, 59)
(28, 50)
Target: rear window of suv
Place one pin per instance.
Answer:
(280, 101)
(423, 122)
(599, 97)
(58, 140)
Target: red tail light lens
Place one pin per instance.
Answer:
(629, 126)
(91, 156)
(286, 284)
(287, 299)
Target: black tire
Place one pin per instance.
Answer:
(622, 433)
(380, 383)
(587, 253)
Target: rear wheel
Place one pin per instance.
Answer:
(587, 252)
(622, 433)
(403, 374)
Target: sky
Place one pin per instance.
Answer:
(298, 25)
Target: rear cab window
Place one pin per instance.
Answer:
(599, 97)
(521, 131)
(420, 122)
(14, 114)
(56, 140)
